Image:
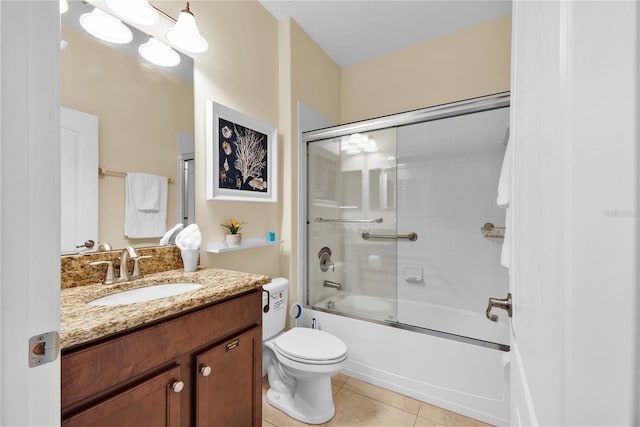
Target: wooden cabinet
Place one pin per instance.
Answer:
(225, 388)
(153, 402)
(202, 368)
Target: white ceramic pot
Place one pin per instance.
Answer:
(190, 259)
(233, 240)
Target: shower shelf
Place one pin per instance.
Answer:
(490, 231)
(247, 243)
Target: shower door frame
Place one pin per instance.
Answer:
(438, 112)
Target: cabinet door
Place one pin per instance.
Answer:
(228, 388)
(153, 403)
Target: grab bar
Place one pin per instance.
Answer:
(361, 221)
(411, 236)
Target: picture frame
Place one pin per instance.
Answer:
(242, 156)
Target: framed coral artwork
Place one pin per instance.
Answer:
(242, 156)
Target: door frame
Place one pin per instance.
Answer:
(29, 207)
(575, 251)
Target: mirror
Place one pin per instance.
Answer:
(145, 121)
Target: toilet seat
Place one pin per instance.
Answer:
(311, 346)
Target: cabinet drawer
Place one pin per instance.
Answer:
(88, 373)
(153, 403)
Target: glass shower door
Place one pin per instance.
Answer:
(448, 173)
(351, 205)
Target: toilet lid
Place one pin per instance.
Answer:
(311, 346)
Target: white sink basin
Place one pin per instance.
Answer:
(146, 294)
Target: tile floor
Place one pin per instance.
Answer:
(361, 404)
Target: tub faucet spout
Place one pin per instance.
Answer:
(330, 284)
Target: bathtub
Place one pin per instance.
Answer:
(446, 370)
(456, 321)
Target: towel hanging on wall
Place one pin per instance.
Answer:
(145, 205)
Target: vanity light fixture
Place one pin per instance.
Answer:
(159, 53)
(64, 6)
(105, 27)
(357, 143)
(371, 146)
(135, 11)
(185, 35)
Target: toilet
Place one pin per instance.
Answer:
(299, 362)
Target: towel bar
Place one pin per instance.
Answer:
(489, 230)
(106, 172)
(411, 236)
(361, 221)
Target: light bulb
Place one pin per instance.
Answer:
(159, 53)
(136, 11)
(105, 27)
(64, 6)
(185, 35)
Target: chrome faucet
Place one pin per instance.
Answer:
(330, 284)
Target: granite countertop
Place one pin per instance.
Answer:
(81, 322)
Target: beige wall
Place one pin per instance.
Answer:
(466, 64)
(240, 71)
(310, 76)
(262, 68)
(139, 109)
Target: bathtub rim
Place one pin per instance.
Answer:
(416, 329)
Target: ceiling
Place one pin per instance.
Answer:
(354, 31)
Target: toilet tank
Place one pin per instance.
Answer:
(275, 316)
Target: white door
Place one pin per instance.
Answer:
(29, 208)
(79, 181)
(573, 276)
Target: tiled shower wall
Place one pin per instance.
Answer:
(448, 174)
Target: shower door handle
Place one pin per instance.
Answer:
(411, 236)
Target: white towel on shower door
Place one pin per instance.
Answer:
(504, 183)
(503, 200)
(141, 220)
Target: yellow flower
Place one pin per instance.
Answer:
(233, 226)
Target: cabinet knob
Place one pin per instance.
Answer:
(177, 386)
(205, 371)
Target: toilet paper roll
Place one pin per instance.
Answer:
(295, 311)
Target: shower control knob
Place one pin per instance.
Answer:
(205, 371)
(177, 386)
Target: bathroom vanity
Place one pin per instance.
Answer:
(187, 360)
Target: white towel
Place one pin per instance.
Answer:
(505, 255)
(189, 238)
(139, 221)
(146, 190)
(504, 183)
(504, 197)
(169, 237)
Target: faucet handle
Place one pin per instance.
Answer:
(136, 266)
(108, 278)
